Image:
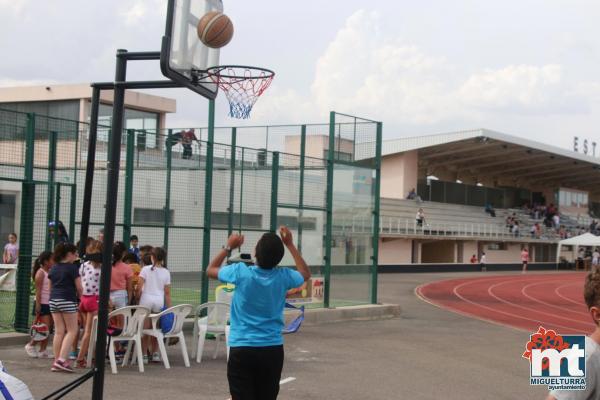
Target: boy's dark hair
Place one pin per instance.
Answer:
(118, 251)
(269, 251)
(62, 249)
(132, 238)
(591, 290)
(130, 259)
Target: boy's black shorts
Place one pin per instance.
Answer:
(254, 372)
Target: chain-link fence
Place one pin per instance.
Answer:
(263, 177)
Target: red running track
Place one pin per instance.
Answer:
(554, 301)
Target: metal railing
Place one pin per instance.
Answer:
(409, 227)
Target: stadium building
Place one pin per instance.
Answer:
(456, 175)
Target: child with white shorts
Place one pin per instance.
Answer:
(155, 288)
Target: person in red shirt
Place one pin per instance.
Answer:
(524, 258)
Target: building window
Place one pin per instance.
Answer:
(151, 216)
(308, 223)
(134, 119)
(338, 155)
(221, 220)
(497, 246)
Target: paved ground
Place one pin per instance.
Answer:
(427, 353)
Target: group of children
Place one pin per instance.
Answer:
(67, 297)
(67, 294)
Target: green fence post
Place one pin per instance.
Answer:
(73, 204)
(301, 194)
(274, 190)
(72, 211)
(51, 177)
(57, 208)
(241, 190)
(232, 182)
(128, 195)
(208, 199)
(169, 148)
(26, 232)
(329, 206)
(375, 256)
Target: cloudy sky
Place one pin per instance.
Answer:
(528, 68)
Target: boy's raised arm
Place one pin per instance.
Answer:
(286, 237)
(233, 242)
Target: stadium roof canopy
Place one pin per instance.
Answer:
(486, 153)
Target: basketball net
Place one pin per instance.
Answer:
(242, 86)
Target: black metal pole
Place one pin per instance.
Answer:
(114, 162)
(89, 171)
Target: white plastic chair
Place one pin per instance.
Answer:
(134, 317)
(180, 312)
(215, 322)
(133, 324)
(224, 293)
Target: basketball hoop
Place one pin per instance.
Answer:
(242, 86)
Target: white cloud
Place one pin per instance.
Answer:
(520, 88)
(15, 6)
(138, 11)
(363, 71)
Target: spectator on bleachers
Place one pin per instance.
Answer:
(412, 195)
(473, 259)
(489, 209)
(536, 231)
(515, 229)
(593, 226)
(556, 221)
(510, 222)
(420, 218)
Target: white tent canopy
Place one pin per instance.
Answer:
(585, 240)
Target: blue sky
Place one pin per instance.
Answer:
(527, 68)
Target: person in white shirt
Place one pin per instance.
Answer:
(591, 294)
(482, 261)
(155, 288)
(420, 218)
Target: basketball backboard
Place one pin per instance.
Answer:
(183, 56)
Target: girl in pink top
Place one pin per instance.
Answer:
(42, 299)
(525, 259)
(121, 283)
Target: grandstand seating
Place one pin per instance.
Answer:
(398, 217)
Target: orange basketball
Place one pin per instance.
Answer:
(215, 29)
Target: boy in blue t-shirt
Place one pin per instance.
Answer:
(255, 339)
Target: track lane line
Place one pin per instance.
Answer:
(524, 292)
(529, 309)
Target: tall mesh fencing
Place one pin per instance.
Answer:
(263, 177)
(38, 172)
